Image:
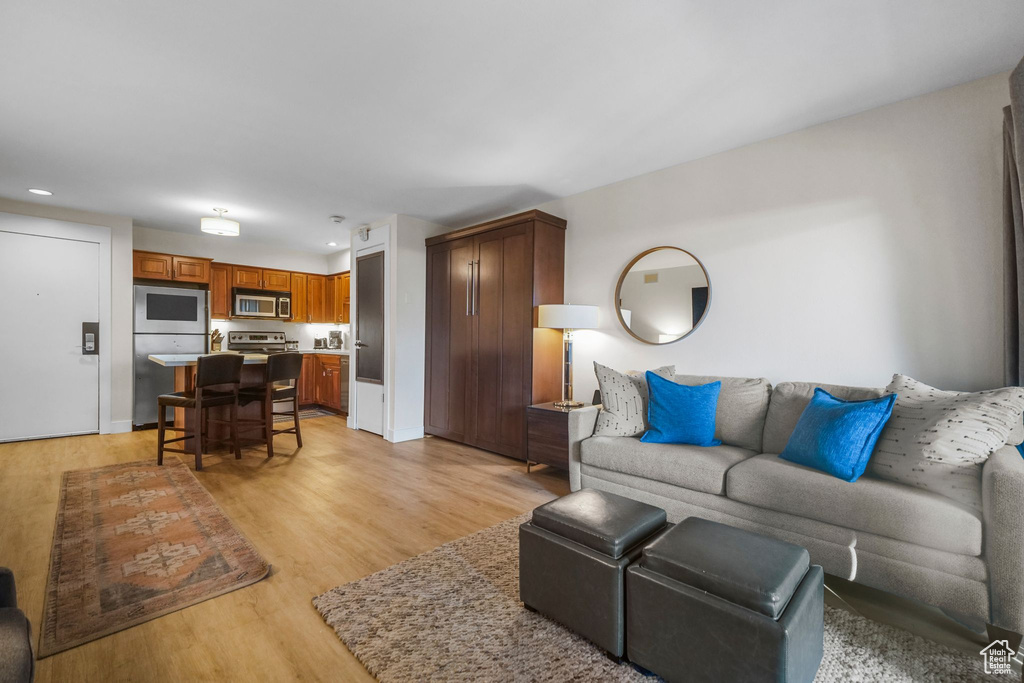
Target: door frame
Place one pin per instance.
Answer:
(378, 240)
(80, 232)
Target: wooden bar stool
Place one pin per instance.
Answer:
(212, 370)
(281, 367)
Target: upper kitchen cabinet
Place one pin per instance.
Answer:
(154, 266)
(300, 294)
(220, 291)
(316, 301)
(342, 298)
(248, 277)
(277, 280)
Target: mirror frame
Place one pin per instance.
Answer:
(622, 277)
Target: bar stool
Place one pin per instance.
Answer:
(212, 370)
(281, 367)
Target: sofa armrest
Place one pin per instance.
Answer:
(1003, 505)
(581, 426)
(8, 596)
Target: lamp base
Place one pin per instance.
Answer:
(568, 404)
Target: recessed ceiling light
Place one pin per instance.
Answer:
(45, 193)
(332, 244)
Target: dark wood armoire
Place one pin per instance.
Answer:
(486, 360)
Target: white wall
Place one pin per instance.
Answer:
(409, 331)
(122, 376)
(841, 253)
(229, 250)
(339, 261)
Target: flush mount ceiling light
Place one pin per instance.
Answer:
(218, 225)
(36, 190)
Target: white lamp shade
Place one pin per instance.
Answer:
(567, 316)
(219, 226)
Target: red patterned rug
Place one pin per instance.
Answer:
(134, 542)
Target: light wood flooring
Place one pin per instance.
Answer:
(344, 506)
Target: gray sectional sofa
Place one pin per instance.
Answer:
(879, 533)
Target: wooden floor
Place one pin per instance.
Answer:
(346, 505)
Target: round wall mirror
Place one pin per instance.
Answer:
(663, 295)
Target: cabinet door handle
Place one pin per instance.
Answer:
(469, 286)
(476, 272)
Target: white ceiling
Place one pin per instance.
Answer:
(453, 110)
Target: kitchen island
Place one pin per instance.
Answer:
(324, 383)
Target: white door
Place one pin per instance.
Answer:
(50, 385)
(369, 343)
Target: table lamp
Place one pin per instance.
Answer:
(567, 317)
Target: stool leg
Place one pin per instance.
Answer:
(161, 430)
(234, 430)
(295, 416)
(268, 420)
(197, 437)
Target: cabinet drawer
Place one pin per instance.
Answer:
(329, 360)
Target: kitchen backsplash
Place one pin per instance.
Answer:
(303, 332)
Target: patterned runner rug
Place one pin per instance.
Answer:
(134, 542)
(453, 614)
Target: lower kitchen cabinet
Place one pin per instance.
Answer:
(324, 381)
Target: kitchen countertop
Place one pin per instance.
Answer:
(330, 352)
(174, 360)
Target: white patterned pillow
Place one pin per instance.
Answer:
(624, 400)
(939, 440)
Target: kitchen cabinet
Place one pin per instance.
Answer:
(328, 389)
(249, 277)
(316, 299)
(308, 379)
(220, 291)
(299, 290)
(154, 266)
(342, 298)
(331, 298)
(485, 361)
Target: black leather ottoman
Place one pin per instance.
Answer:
(709, 602)
(572, 561)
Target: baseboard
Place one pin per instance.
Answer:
(118, 427)
(407, 434)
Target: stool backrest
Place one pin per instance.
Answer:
(219, 368)
(284, 366)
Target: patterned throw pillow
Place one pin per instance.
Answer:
(939, 440)
(624, 400)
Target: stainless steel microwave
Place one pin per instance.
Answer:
(256, 303)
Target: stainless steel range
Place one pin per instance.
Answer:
(256, 342)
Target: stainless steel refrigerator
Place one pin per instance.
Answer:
(167, 320)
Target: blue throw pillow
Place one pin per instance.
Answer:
(678, 413)
(838, 436)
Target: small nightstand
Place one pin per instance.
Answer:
(547, 436)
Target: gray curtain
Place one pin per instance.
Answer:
(1013, 227)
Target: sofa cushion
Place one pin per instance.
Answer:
(787, 405)
(939, 440)
(697, 468)
(742, 405)
(873, 505)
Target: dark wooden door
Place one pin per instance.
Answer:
(449, 339)
(503, 323)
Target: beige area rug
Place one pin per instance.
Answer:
(134, 542)
(453, 614)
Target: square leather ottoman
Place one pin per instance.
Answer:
(710, 602)
(573, 556)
